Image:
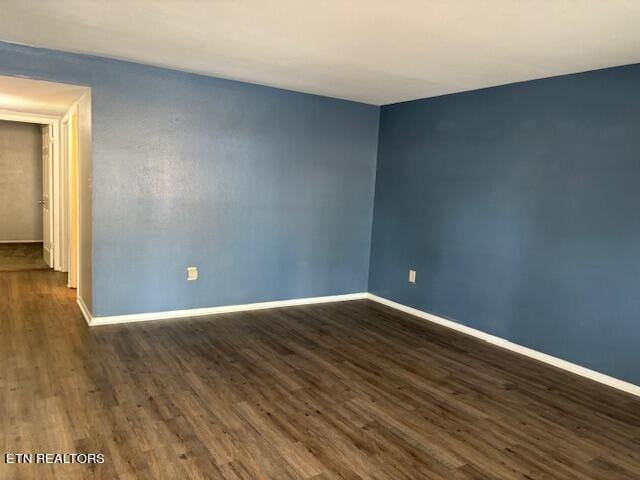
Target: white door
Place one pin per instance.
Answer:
(47, 170)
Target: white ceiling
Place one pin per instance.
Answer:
(374, 51)
(35, 96)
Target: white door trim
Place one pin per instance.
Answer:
(63, 171)
(13, 116)
(47, 201)
(73, 198)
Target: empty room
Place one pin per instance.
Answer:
(345, 239)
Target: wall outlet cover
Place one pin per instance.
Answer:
(412, 276)
(192, 273)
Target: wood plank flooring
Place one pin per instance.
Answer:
(16, 257)
(349, 390)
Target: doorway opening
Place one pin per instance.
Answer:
(43, 149)
(22, 206)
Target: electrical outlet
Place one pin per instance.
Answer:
(192, 273)
(412, 276)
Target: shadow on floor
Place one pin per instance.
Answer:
(17, 257)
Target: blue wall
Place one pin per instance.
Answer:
(517, 205)
(519, 208)
(268, 192)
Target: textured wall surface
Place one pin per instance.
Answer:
(20, 181)
(268, 192)
(518, 207)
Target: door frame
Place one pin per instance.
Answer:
(58, 182)
(48, 145)
(70, 133)
(64, 188)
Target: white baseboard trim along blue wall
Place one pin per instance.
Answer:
(514, 347)
(85, 311)
(500, 342)
(198, 312)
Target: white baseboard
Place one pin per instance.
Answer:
(197, 312)
(85, 311)
(21, 241)
(514, 347)
(500, 342)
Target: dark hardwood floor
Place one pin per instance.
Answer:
(350, 390)
(15, 257)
